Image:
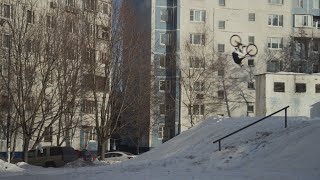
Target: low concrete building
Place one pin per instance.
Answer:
(299, 91)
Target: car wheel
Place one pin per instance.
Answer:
(50, 164)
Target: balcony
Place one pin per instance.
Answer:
(306, 32)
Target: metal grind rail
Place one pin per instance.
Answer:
(285, 125)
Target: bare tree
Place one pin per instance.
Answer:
(43, 82)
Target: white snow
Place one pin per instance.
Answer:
(266, 150)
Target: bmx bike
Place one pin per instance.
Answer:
(251, 49)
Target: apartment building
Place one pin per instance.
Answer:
(306, 17)
(62, 46)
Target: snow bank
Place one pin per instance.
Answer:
(9, 168)
(266, 150)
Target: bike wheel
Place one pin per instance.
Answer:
(252, 50)
(235, 40)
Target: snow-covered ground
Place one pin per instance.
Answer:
(265, 151)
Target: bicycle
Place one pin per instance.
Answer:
(251, 49)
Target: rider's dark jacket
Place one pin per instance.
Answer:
(236, 58)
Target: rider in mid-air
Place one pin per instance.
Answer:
(241, 51)
(239, 55)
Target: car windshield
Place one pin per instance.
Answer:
(127, 153)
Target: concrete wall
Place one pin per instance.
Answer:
(301, 104)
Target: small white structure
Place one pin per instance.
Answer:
(299, 91)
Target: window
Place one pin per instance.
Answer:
(220, 47)
(70, 26)
(92, 134)
(166, 39)
(47, 134)
(300, 3)
(90, 29)
(250, 108)
(221, 94)
(71, 54)
(161, 131)
(90, 5)
(316, 4)
(316, 68)
(222, 3)
(275, 20)
(250, 85)
(252, 17)
(196, 109)
(197, 39)
(53, 4)
(50, 22)
(103, 32)
(55, 151)
(221, 71)
(90, 56)
(301, 88)
(6, 41)
(89, 134)
(48, 106)
(166, 15)
(30, 73)
(317, 86)
(251, 39)
(28, 45)
(274, 66)
(222, 24)
(198, 86)
(100, 83)
(4, 102)
(30, 16)
(303, 20)
(251, 62)
(275, 43)
(104, 8)
(196, 62)
(6, 10)
(315, 46)
(278, 87)
(164, 85)
(165, 62)
(165, 109)
(197, 15)
(103, 57)
(88, 106)
(200, 96)
(3, 132)
(70, 3)
(275, 1)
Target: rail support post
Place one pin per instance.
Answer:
(220, 145)
(285, 118)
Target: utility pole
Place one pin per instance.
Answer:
(9, 104)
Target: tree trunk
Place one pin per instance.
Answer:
(102, 148)
(226, 97)
(138, 147)
(26, 141)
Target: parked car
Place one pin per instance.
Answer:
(118, 156)
(51, 156)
